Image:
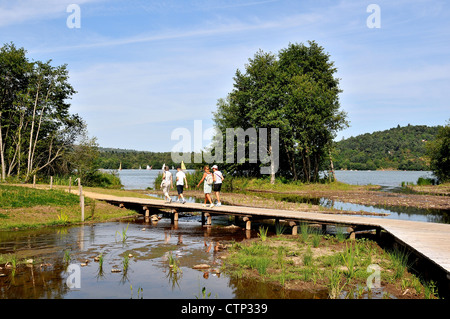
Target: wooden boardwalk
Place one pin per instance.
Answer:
(429, 240)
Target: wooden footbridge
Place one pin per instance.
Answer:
(429, 240)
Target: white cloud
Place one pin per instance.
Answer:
(18, 12)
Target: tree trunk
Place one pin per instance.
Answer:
(332, 166)
(29, 165)
(2, 157)
(272, 165)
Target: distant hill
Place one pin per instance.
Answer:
(401, 148)
(112, 158)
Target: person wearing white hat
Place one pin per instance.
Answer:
(218, 178)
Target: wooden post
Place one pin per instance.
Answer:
(208, 219)
(79, 186)
(352, 233)
(174, 216)
(248, 223)
(82, 204)
(378, 232)
(147, 211)
(34, 181)
(70, 183)
(293, 224)
(51, 182)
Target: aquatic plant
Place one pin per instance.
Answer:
(125, 263)
(304, 230)
(308, 257)
(263, 233)
(340, 235)
(63, 218)
(123, 234)
(334, 284)
(279, 228)
(203, 294)
(100, 259)
(430, 290)
(348, 257)
(140, 292)
(399, 260)
(174, 263)
(316, 239)
(66, 257)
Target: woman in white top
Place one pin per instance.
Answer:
(207, 185)
(166, 184)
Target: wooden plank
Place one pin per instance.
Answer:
(430, 240)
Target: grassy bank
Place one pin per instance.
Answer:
(439, 190)
(314, 261)
(24, 207)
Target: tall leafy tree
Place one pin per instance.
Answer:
(36, 127)
(439, 153)
(296, 92)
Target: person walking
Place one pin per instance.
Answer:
(180, 181)
(218, 178)
(207, 180)
(166, 183)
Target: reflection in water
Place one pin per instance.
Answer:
(149, 244)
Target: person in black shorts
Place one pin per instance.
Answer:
(217, 186)
(180, 182)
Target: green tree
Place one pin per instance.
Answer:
(296, 92)
(439, 153)
(36, 127)
(83, 157)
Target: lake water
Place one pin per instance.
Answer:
(148, 248)
(141, 179)
(389, 180)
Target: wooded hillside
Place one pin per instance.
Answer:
(402, 148)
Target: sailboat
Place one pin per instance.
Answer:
(148, 167)
(120, 166)
(183, 167)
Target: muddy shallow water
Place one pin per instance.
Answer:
(148, 275)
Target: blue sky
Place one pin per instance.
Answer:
(144, 68)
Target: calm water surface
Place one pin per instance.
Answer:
(148, 275)
(390, 181)
(141, 179)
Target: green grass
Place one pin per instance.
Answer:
(25, 207)
(340, 265)
(18, 197)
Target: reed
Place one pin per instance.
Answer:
(304, 231)
(316, 239)
(125, 263)
(279, 228)
(399, 261)
(348, 257)
(340, 235)
(123, 234)
(66, 257)
(334, 284)
(430, 290)
(263, 233)
(308, 257)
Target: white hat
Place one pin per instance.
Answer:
(215, 166)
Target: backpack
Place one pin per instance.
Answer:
(209, 179)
